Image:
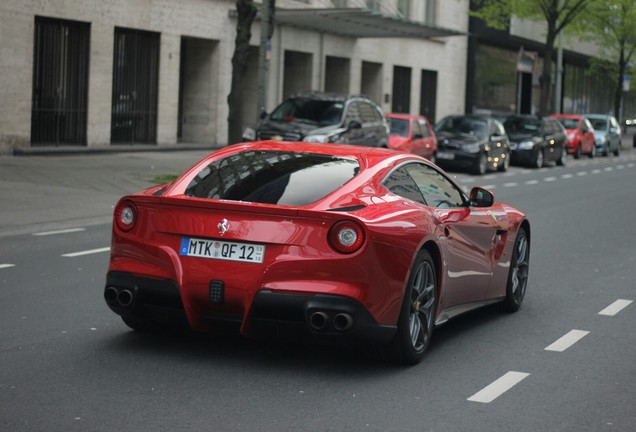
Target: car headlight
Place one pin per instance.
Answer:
(317, 138)
(525, 145)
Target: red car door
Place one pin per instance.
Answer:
(470, 238)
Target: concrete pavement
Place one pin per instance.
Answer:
(41, 193)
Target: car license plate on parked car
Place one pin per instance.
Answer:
(222, 250)
(445, 155)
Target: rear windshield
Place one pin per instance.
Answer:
(273, 177)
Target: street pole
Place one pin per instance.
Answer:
(558, 90)
(263, 65)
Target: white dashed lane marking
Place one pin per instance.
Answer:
(86, 252)
(567, 341)
(3, 266)
(498, 387)
(615, 307)
(64, 231)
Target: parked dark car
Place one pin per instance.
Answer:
(473, 142)
(535, 140)
(326, 118)
(607, 133)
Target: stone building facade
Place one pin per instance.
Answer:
(96, 74)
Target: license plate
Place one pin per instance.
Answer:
(223, 250)
(445, 155)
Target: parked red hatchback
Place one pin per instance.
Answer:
(412, 134)
(580, 134)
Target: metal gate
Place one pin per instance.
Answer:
(60, 82)
(401, 90)
(135, 87)
(428, 94)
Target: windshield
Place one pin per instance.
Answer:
(399, 127)
(273, 177)
(569, 123)
(598, 124)
(522, 125)
(312, 111)
(464, 126)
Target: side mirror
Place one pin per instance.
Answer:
(354, 124)
(480, 197)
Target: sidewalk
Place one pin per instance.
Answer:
(41, 193)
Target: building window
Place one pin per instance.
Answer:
(135, 87)
(60, 82)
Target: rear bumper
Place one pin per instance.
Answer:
(271, 313)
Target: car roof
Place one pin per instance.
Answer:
(369, 156)
(404, 116)
(570, 116)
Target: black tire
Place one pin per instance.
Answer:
(577, 153)
(617, 152)
(505, 164)
(482, 165)
(518, 275)
(538, 159)
(592, 154)
(561, 161)
(417, 316)
(606, 150)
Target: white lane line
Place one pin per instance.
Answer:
(596, 171)
(490, 187)
(567, 176)
(608, 169)
(6, 265)
(581, 173)
(567, 341)
(511, 184)
(64, 231)
(549, 179)
(615, 307)
(532, 182)
(498, 387)
(86, 252)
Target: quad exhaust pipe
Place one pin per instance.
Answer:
(341, 322)
(119, 297)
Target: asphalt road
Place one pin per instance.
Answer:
(564, 362)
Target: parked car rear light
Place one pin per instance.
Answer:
(346, 237)
(125, 215)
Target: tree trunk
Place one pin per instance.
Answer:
(546, 75)
(246, 13)
(618, 93)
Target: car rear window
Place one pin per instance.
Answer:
(273, 177)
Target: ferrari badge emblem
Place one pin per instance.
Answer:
(223, 226)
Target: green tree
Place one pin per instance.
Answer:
(557, 15)
(610, 24)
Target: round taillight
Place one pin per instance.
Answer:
(346, 237)
(125, 215)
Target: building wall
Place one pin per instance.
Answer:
(210, 20)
